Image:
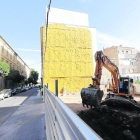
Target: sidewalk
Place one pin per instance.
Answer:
(27, 123)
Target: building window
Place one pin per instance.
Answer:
(7, 62)
(13, 67)
(126, 51)
(10, 66)
(17, 61)
(7, 53)
(14, 58)
(2, 48)
(2, 60)
(11, 56)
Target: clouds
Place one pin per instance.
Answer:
(29, 50)
(106, 40)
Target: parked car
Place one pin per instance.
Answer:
(23, 89)
(37, 86)
(14, 92)
(7, 92)
(1, 96)
(18, 89)
(27, 88)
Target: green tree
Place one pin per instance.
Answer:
(21, 78)
(34, 76)
(15, 76)
(26, 82)
(4, 69)
(30, 80)
(137, 82)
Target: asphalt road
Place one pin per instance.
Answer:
(9, 105)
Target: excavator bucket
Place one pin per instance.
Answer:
(91, 97)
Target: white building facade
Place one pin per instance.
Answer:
(126, 58)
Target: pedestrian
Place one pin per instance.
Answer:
(42, 91)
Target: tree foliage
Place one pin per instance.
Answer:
(15, 76)
(30, 80)
(26, 82)
(4, 69)
(21, 78)
(137, 82)
(34, 76)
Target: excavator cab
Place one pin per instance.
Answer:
(126, 85)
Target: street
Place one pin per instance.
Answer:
(23, 117)
(9, 105)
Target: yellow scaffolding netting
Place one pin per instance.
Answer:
(68, 57)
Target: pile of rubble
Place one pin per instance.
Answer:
(113, 123)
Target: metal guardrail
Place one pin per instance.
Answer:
(62, 123)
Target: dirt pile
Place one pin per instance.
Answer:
(112, 123)
(109, 123)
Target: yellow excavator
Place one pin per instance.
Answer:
(121, 93)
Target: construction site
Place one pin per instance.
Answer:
(112, 110)
(107, 121)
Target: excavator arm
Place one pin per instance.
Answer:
(104, 61)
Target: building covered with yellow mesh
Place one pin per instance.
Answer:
(68, 57)
(67, 53)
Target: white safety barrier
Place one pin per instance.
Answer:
(62, 123)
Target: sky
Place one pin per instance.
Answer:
(117, 22)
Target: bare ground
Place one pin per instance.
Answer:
(109, 123)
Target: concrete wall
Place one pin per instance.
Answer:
(112, 52)
(61, 16)
(94, 43)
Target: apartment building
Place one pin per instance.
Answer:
(126, 58)
(9, 56)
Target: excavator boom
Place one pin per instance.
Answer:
(104, 61)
